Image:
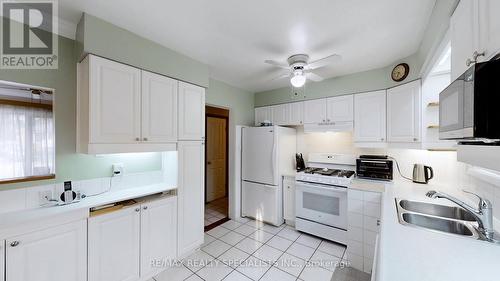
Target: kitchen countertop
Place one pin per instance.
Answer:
(14, 219)
(408, 253)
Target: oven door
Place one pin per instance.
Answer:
(451, 111)
(324, 204)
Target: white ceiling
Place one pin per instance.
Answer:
(235, 37)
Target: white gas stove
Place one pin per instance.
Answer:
(321, 195)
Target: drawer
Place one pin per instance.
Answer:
(374, 197)
(372, 209)
(355, 206)
(355, 194)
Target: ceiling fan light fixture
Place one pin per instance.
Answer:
(298, 79)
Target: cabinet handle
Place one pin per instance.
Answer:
(382, 139)
(145, 139)
(378, 222)
(145, 207)
(15, 244)
(137, 139)
(137, 209)
(415, 139)
(475, 56)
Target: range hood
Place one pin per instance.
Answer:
(344, 126)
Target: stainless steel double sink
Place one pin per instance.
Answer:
(445, 219)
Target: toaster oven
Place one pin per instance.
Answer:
(378, 168)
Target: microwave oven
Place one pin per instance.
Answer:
(469, 108)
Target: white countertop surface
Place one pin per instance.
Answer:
(13, 219)
(412, 254)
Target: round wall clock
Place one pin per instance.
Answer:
(400, 72)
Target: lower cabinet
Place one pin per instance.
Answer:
(364, 211)
(132, 243)
(191, 196)
(54, 254)
(289, 199)
(2, 260)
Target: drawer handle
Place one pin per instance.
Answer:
(145, 139)
(137, 139)
(145, 207)
(15, 244)
(378, 222)
(137, 209)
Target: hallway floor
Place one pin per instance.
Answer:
(256, 251)
(216, 210)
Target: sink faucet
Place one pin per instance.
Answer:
(483, 214)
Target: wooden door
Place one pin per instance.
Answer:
(216, 146)
(190, 196)
(315, 111)
(404, 113)
(158, 235)
(115, 102)
(159, 108)
(55, 254)
(113, 246)
(370, 117)
(191, 112)
(340, 109)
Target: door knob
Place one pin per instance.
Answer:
(208, 163)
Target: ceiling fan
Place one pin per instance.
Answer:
(300, 69)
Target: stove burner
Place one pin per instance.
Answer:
(329, 172)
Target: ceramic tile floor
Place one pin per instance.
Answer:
(216, 210)
(250, 250)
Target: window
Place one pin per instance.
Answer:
(27, 144)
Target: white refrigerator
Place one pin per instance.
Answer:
(267, 153)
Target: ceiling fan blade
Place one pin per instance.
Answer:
(284, 75)
(324, 61)
(277, 64)
(314, 77)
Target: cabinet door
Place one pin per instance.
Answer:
(158, 235)
(2, 260)
(340, 108)
(54, 254)
(115, 102)
(289, 199)
(315, 111)
(280, 114)
(463, 33)
(263, 114)
(489, 27)
(191, 112)
(159, 108)
(190, 196)
(404, 113)
(113, 250)
(370, 117)
(296, 113)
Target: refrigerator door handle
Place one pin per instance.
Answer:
(273, 156)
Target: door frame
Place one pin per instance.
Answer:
(222, 113)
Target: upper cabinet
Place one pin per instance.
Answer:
(280, 114)
(474, 29)
(124, 109)
(263, 114)
(314, 111)
(296, 113)
(159, 108)
(370, 117)
(404, 113)
(191, 112)
(340, 109)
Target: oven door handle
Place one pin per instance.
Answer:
(303, 185)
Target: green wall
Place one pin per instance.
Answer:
(96, 36)
(371, 80)
(69, 164)
(240, 102)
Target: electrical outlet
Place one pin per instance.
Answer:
(45, 196)
(117, 169)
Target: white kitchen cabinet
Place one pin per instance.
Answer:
(114, 101)
(489, 27)
(463, 35)
(404, 113)
(370, 117)
(159, 108)
(191, 198)
(340, 109)
(296, 113)
(289, 199)
(2, 260)
(158, 235)
(263, 114)
(54, 254)
(191, 112)
(363, 220)
(280, 114)
(114, 245)
(315, 111)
